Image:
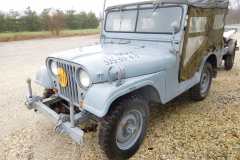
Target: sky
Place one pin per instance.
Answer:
(86, 5)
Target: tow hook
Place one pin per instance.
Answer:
(60, 131)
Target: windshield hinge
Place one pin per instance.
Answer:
(159, 3)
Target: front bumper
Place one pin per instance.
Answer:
(62, 121)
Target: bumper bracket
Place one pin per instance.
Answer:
(63, 126)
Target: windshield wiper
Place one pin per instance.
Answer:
(150, 14)
(121, 18)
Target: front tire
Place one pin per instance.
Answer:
(55, 106)
(200, 90)
(47, 93)
(124, 127)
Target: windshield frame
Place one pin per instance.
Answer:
(137, 9)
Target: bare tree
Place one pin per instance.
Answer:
(13, 14)
(231, 5)
(237, 4)
(54, 23)
(58, 21)
(234, 4)
(47, 22)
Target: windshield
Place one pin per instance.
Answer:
(121, 21)
(145, 20)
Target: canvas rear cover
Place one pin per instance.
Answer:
(203, 34)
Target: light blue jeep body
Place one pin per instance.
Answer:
(149, 64)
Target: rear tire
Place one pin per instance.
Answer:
(229, 61)
(124, 127)
(200, 90)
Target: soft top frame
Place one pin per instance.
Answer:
(195, 3)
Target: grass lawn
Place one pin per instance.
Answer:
(10, 34)
(82, 31)
(15, 36)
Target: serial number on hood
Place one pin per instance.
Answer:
(121, 57)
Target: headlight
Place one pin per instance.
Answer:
(54, 68)
(84, 79)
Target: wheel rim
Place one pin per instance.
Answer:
(205, 81)
(129, 129)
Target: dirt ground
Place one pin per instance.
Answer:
(180, 129)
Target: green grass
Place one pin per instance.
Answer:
(16, 36)
(11, 34)
(82, 30)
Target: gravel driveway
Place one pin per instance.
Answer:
(180, 129)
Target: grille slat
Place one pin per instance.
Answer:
(70, 91)
(64, 89)
(67, 90)
(75, 84)
(72, 82)
(68, 84)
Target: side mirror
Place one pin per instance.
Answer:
(175, 25)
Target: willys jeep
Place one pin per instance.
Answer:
(148, 51)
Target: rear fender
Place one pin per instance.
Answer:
(231, 44)
(100, 96)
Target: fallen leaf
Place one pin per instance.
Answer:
(234, 134)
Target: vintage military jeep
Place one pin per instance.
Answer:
(148, 51)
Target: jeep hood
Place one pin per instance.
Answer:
(137, 60)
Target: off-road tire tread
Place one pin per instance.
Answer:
(194, 92)
(108, 121)
(228, 61)
(47, 93)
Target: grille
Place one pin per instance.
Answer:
(70, 91)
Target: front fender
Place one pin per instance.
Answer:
(43, 78)
(100, 96)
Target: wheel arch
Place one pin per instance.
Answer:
(146, 86)
(148, 92)
(213, 60)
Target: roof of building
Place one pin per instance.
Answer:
(196, 3)
(47, 10)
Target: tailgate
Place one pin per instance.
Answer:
(229, 32)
